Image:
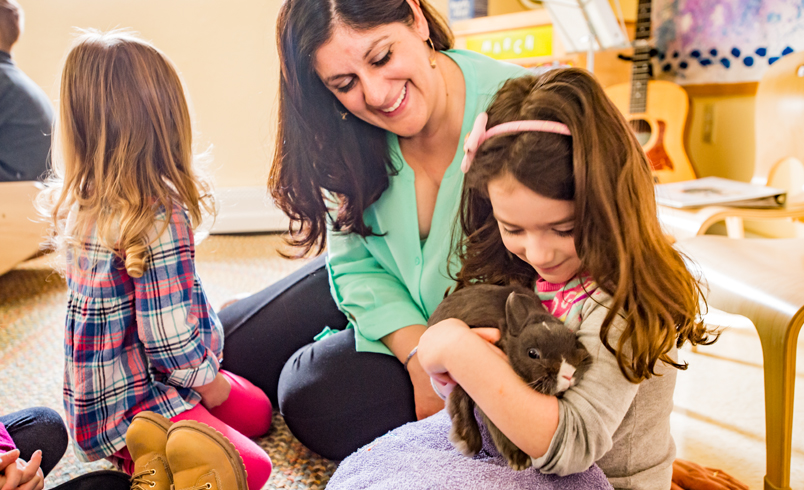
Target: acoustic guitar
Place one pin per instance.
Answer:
(656, 109)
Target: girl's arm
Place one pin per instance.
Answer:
(174, 320)
(527, 417)
(214, 393)
(563, 436)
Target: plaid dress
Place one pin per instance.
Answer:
(134, 344)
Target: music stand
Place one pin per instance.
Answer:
(586, 25)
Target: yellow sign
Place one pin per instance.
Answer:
(530, 42)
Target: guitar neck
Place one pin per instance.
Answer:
(640, 72)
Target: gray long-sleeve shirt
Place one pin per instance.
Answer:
(605, 419)
(26, 117)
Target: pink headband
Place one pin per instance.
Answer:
(479, 134)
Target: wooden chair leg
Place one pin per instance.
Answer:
(735, 227)
(779, 357)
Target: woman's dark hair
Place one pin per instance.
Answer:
(603, 170)
(323, 162)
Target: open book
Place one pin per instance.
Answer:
(711, 191)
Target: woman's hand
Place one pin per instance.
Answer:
(401, 342)
(692, 476)
(426, 399)
(16, 474)
(214, 393)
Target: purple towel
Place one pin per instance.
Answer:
(418, 456)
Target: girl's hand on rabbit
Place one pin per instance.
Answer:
(439, 341)
(214, 393)
(444, 382)
(492, 336)
(17, 474)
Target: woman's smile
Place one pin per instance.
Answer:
(399, 104)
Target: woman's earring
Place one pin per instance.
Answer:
(433, 59)
(343, 115)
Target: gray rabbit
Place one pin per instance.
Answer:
(541, 350)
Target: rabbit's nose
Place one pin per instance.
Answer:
(567, 371)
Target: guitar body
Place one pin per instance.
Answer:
(660, 128)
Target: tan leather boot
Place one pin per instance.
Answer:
(146, 439)
(203, 458)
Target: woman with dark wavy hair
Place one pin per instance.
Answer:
(374, 106)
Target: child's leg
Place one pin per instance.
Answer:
(122, 459)
(247, 410)
(258, 464)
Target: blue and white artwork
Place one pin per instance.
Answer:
(724, 41)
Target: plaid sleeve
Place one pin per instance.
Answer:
(167, 328)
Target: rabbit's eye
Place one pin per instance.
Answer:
(533, 354)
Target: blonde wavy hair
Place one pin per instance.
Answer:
(122, 148)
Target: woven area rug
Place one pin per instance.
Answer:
(32, 310)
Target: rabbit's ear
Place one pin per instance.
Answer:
(518, 310)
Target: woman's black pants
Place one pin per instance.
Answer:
(332, 398)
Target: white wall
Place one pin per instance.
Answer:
(225, 52)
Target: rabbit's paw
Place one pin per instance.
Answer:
(519, 460)
(459, 443)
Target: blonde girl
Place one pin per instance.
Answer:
(558, 196)
(124, 200)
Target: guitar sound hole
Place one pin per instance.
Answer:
(642, 129)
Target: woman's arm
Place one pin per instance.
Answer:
(527, 417)
(380, 309)
(376, 301)
(401, 343)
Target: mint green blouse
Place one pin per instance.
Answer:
(384, 283)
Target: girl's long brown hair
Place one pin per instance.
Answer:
(603, 170)
(123, 148)
(318, 152)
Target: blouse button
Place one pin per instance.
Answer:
(418, 260)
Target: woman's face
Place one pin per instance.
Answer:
(382, 75)
(536, 229)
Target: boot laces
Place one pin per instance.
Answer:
(139, 481)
